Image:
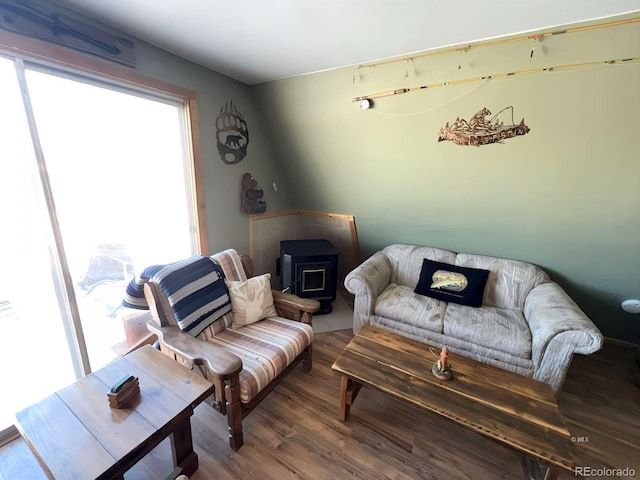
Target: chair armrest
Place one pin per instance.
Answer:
(559, 328)
(293, 307)
(366, 282)
(218, 361)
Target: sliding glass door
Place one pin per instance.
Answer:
(117, 173)
(95, 185)
(33, 342)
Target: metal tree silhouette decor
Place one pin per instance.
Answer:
(480, 131)
(232, 134)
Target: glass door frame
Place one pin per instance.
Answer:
(24, 50)
(70, 314)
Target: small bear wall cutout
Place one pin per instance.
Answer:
(250, 196)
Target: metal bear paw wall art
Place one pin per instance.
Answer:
(232, 134)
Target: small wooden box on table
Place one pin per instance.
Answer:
(75, 433)
(512, 409)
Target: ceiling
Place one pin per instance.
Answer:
(256, 41)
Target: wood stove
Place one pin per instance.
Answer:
(309, 269)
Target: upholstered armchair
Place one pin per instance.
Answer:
(244, 358)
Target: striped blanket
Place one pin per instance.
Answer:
(195, 288)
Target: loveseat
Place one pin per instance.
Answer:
(526, 323)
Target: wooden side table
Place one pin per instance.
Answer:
(74, 432)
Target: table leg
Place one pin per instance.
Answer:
(184, 457)
(535, 470)
(348, 393)
(344, 408)
(552, 474)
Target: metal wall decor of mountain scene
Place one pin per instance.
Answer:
(480, 131)
(232, 134)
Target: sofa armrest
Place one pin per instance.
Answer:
(558, 330)
(293, 307)
(366, 282)
(218, 362)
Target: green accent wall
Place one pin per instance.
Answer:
(565, 197)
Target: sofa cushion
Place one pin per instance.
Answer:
(522, 366)
(406, 261)
(510, 281)
(216, 327)
(266, 348)
(452, 283)
(400, 303)
(495, 328)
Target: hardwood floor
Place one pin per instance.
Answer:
(295, 433)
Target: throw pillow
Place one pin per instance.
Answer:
(251, 300)
(452, 283)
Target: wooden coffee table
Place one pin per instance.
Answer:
(514, 410)
(74, 432)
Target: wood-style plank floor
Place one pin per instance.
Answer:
(295, 433)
